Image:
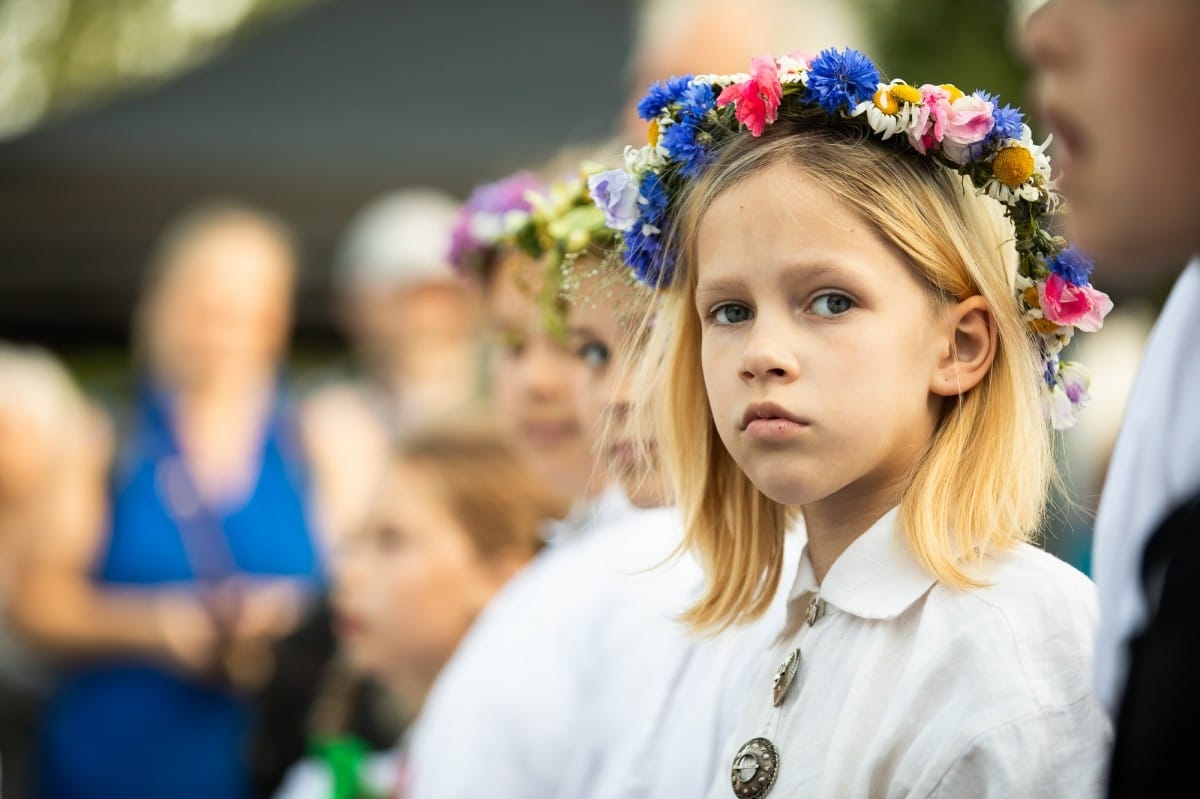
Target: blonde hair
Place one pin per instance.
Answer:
(500, 504)
(981, 485)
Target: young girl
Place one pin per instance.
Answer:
(647, 735)
(844, 341)
(455, 517)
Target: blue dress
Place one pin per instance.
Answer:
(132, 728)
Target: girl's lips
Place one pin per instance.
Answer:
(774, 429)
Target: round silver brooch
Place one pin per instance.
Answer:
(754, 768)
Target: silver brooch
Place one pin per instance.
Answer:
(754, 768)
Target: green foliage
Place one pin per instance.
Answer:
(64, 53)
(970, 43)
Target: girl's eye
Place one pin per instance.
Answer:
(731, 313)
(832, 305)
(594, 354)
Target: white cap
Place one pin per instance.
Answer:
(397, 240)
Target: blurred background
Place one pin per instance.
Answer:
(118, 115)
(115, 115)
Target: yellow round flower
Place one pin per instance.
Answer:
(653, 132)
(1013, 166)
(1043, 326)
(905, 93)
(955, 92)
(886, 102)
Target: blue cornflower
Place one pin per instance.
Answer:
(696, 101)
(1008, 119)
(651, 263)
(840, 80)
(1051, 370)
(662, 94)
(1072, 266)
(652, 197)
(680, 140)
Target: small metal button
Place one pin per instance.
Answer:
(754, 768)
(784, 677)
(816, 609)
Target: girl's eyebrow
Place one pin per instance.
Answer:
(807, 270)
(720, 286)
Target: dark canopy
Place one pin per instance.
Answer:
(309, 118)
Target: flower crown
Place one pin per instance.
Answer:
(563, 220)
(972, 134)
(491, 214)
(563, 223)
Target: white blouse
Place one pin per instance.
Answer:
(907, 688)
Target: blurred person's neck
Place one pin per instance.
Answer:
(220, 424)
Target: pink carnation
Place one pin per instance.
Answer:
(1069, 305)
(969, 120)
(756, 101)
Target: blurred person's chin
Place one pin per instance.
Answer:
(560, 465)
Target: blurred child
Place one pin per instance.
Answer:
(534, 380)
(850, 333)
(455, 517)
(413, 326)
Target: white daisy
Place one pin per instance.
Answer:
(643, 159)
(886, 113)
(722, 80)
(1017, 157)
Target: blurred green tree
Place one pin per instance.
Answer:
(58, 54)
(970, 43)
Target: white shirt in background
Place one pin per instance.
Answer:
(1154, 468)
(558, 685)
(906, 688)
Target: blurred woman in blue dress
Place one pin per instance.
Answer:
(166, 616)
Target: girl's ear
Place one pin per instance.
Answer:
(970, 348)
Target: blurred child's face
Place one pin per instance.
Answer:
(818, 344)
(1116, 83)
(603, 328)
(537, 383)
(409, 585)
(420, 333)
